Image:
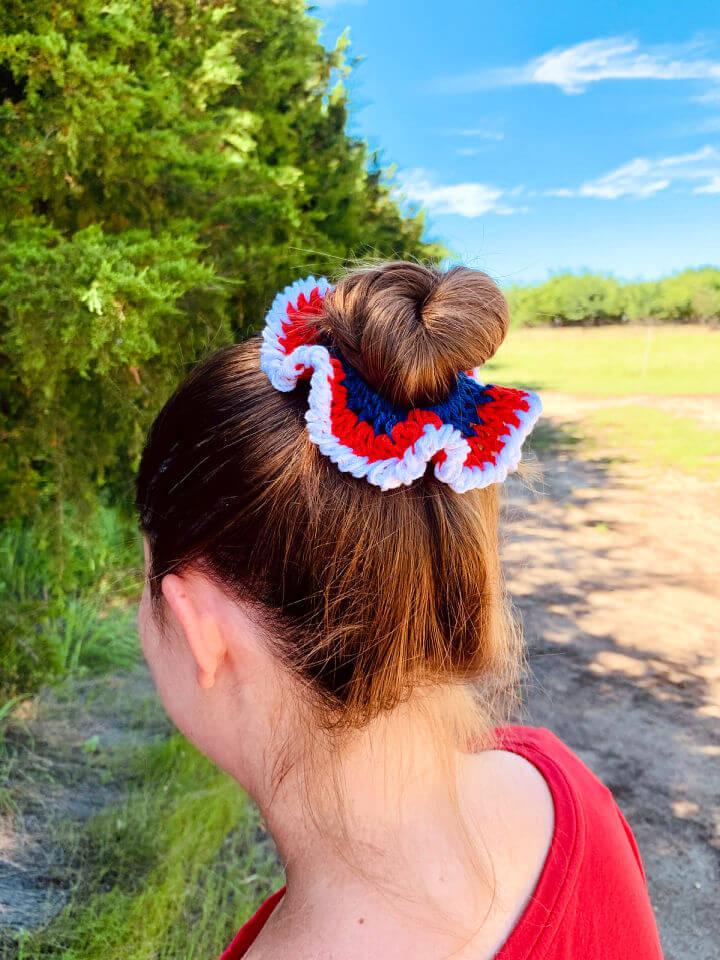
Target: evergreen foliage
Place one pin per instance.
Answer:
(166, 167)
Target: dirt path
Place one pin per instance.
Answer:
(616, 574)
(62, 761)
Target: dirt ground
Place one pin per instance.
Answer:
(616, 575)
(64, 749)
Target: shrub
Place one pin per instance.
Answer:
(167, 165)
(692, 296)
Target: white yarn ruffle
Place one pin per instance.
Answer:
(283, 371)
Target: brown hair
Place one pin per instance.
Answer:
(368, 593)
(370, 599)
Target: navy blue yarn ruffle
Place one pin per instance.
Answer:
(459, 409)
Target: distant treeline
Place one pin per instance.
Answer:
(566, 299)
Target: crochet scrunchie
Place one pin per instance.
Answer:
(474, 437)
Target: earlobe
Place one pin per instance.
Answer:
(186, 597)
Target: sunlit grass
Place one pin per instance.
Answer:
(623, 361)
(170, 872)
(658, 440)
(611, 361)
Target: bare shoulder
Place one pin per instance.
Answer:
(516, 774)
(516, 814)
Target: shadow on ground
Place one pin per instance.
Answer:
(615, 580)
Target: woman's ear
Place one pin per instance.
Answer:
(191, 599)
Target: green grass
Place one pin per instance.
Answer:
(170, 872)
(70, 608)
(611, 361)
(637, 434)
(622, 361)
(657, 440)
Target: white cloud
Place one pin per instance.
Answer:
(643, 177)
(573, 69)
(698, 171)
(463, 199)
(484, 136)
(480, 132)
(712, 186)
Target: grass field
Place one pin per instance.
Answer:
(612, 361)
(657, 440)
(626, 362)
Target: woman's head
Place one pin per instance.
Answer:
(359, 597)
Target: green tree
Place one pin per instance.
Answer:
(166, 167)
(568, 299)
(692, 296)
(644, 301)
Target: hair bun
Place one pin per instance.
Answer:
(410, 329)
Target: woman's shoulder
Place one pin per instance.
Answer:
(593, 888)
(553, 756)
(579, 794)
(569, 777)
(246, 935)
(533, 738)
(590, 899)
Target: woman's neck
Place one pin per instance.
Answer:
(371, 833)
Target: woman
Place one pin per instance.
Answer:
(325, 618)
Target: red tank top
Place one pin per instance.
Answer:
(591, 900)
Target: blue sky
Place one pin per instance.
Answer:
(546, 136)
